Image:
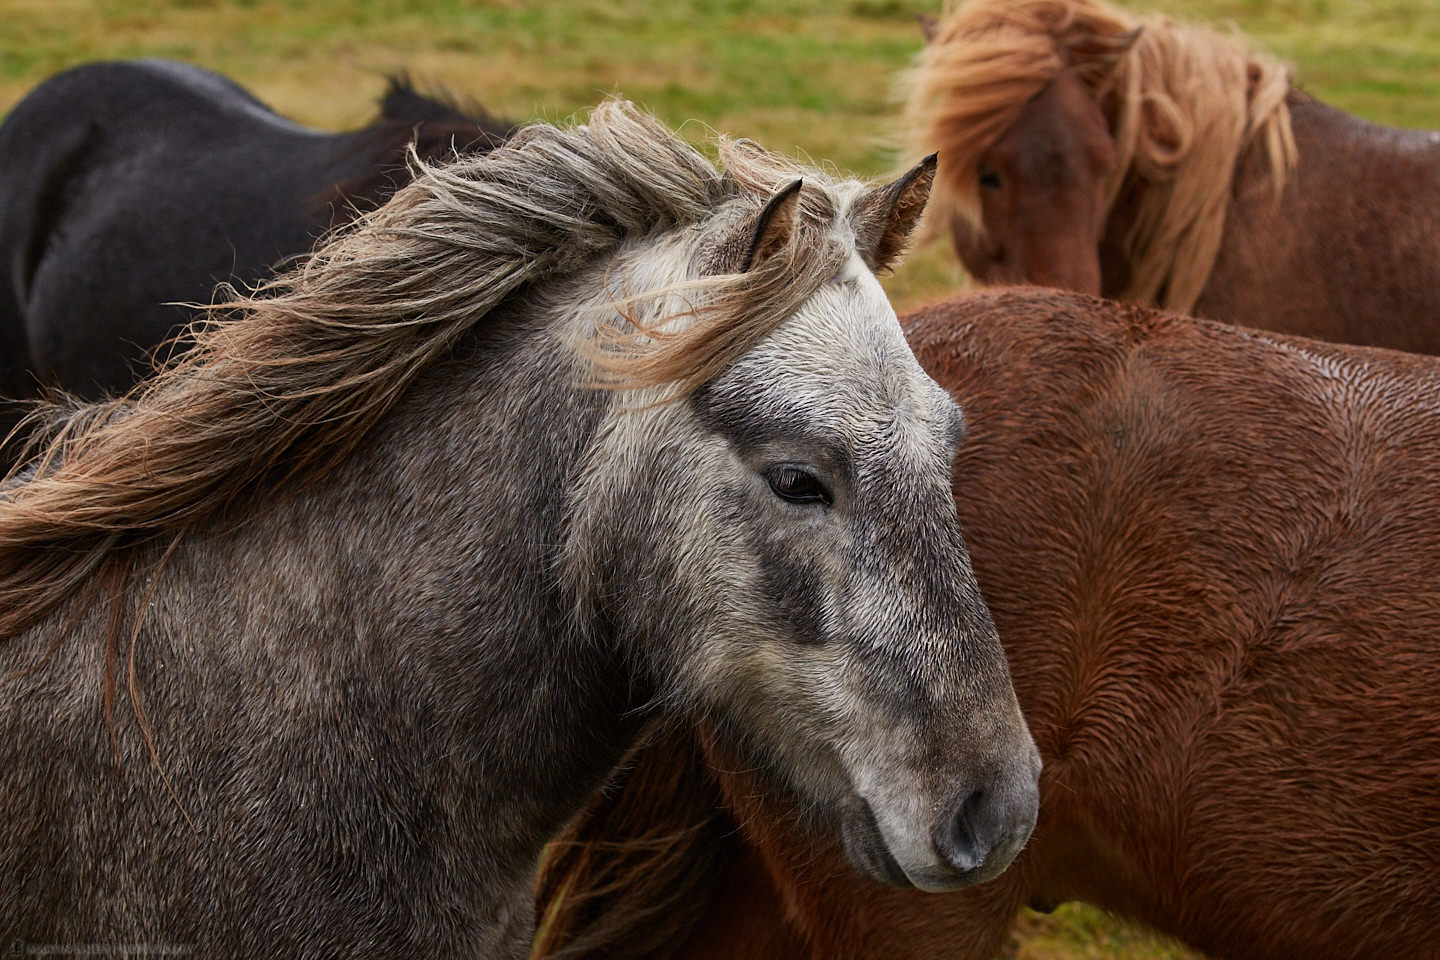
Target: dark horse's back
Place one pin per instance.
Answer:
(128, 189)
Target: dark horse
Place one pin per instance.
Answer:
(1146, 160)
(249, 712)
(1219, 593)
(128, 190)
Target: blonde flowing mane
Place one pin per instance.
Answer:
(1191, 102)
(282, 386)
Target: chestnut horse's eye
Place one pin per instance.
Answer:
(989, 179)
(797, 485)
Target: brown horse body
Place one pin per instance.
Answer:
(1149, 161)
(1220, 600)
(1350, 253)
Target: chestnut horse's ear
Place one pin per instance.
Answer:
(1097, 55)
(928, 26)
(884, 217)
(759, 237)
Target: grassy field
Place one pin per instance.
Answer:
(814, 78)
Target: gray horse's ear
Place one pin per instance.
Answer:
(773, 226)
(758, 236)
(885, 216)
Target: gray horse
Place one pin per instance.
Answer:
(317, 638)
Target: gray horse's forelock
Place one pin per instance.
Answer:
(570, 196)
(297, 373)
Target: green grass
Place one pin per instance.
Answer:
(1077, 931)
(813, 78)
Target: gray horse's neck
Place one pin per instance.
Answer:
(377, 689)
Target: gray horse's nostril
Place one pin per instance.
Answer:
(965, 848)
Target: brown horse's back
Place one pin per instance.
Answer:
(1219, 590)
(1351, 252)
(1211, 555)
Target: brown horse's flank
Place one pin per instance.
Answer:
(1185, 106)
(1218, 598)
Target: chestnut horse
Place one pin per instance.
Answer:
(1145, 160)
(1219, 594)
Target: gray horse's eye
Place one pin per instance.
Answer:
(797, 485)
(989, 179)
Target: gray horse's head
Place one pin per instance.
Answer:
(779, 549)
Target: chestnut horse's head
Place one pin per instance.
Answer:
(1042, 187)
(1083, 148)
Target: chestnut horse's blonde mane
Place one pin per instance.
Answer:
(286, 384)
(1190, 103)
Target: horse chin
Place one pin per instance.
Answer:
(996, 862)
(868, 851)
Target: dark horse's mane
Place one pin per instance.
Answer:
(437, 122)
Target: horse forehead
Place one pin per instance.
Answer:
(843, 359)
(1061, 133)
